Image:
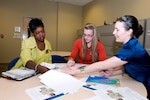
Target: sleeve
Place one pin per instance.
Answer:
(26, 51)
(48, 52)
(101, 52)
(75, 49)
(48, 45)
(125, 54)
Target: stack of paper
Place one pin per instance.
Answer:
(60, 81)
(50, 66)
(19, 74)
(54, 65)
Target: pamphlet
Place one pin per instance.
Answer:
(103, 80)
(119, 93)
(43, 93)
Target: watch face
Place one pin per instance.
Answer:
(81, 68)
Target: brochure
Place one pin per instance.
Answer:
(102, 80)
(119, 93)
(43, 93)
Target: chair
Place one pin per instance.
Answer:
(58, 59)
(12, 63)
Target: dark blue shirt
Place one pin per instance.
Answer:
(138, 66)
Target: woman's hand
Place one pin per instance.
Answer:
(42, 69)
(72, 72)
(37, 67)
(108, 73)
(70, 63)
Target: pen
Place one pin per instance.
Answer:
(89, 87)
(55, 96)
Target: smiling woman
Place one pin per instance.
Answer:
(132, 56)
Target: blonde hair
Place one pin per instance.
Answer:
(90, 26)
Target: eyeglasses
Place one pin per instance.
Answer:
(87, 35)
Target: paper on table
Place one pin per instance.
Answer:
(53, 65)
(41, 92)
(120, 93)
(60, 81)
(50, 66)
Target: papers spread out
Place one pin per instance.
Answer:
(60, 81)
(19, 74)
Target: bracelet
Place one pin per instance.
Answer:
(36, 67)
(81, 68)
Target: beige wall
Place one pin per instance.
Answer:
(12, 11)
(68, 25)
(99, 11)
(61, 20)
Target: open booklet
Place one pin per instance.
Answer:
(24, 73)
(19, 74)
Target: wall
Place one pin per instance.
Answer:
(61, 20)
(12, 12)
(68, 25)
(99, 11)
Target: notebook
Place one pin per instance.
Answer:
(19, 74)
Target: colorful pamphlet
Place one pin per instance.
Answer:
(102, 80)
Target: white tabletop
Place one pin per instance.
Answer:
(15, 90)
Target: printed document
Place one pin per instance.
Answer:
(42, 92)
(60, 81)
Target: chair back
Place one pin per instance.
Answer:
(12, 63)
(58, 59)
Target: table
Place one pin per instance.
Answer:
(15, 90)
(61, 53)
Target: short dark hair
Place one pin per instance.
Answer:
(34, 23)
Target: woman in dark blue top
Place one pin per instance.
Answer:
(132, 56)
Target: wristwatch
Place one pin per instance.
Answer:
(81, 68)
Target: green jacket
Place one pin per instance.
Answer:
(30, 51)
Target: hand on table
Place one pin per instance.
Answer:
(109, 73)
(42, 69)
(70, 63)
(71, 72)
(106, 73)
